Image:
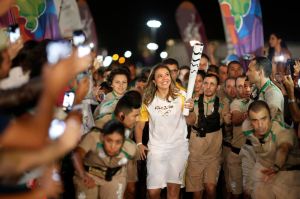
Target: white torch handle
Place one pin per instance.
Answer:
(197, 52)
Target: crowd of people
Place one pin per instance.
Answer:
(75, 129)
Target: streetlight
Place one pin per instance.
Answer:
(163, 55)
(152, 46)
(107, 61)
(127, 54)
(153, 23)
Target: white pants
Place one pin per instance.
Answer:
(166, 166)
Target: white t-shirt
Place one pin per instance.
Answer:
(167, 125)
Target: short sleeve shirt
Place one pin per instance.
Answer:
(95, 156)
(238, 138)
(167, 125)
(266, 152)
(271, 94)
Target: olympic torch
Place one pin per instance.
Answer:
(197, 52)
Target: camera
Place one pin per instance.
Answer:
(13, 32)
(57, 128)
(57, 50)
(78, 37)
(69, 98)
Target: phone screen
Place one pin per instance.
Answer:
(78, 37)
(68, 100)
(83, 50)
(57, 128)
(14, 33)
(58, 50)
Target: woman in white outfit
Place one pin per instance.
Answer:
(163, 106)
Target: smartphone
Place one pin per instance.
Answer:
(14, 32)
(101, 95)
(99, 58)
(248, 57)
(68, 101)
(84, 50)
(57, 128)
(57, 50)
(291, 63)
(78, 37)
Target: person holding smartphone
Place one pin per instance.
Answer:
(288, 82)
(118, 81)
(278, 54)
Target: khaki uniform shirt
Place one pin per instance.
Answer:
(271, 94)
(209, 108)
(96, 156)
(238, 138)
(212, 148)
(278, 134)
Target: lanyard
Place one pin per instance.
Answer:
(262, 90)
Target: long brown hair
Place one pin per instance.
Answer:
(151, 89)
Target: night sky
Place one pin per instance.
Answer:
(120, 23)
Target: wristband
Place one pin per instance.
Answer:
(138, 144)
(291, 101)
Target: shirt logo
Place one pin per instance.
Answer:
(164, 110)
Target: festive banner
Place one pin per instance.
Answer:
(68, 17)
(37, 19)
(88, 23)
(190, 25)
(242, 21)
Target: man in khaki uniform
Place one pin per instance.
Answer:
(127, 111)
(100, 162)
(205, 142)
(258, 73)
(173, 66)
(227, 98)
(238, 109)
(276, 171)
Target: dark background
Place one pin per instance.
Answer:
(121, 23)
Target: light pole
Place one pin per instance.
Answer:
(152, 46)
(153, 25)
